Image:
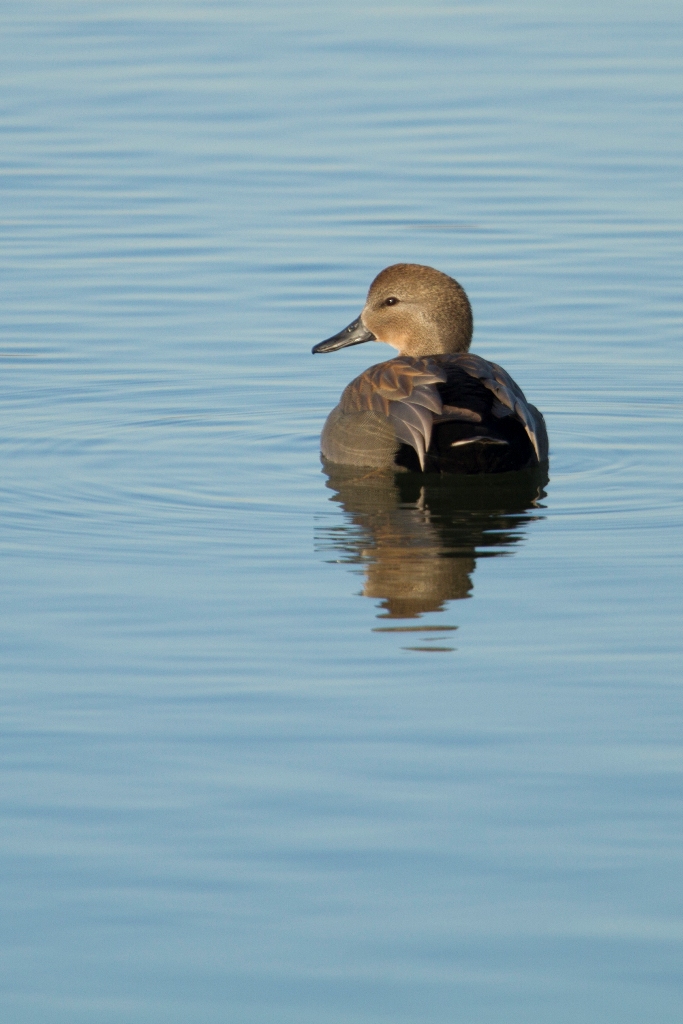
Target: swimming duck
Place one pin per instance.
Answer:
(436, 407)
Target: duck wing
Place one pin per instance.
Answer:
(404, 390)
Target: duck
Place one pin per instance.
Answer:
(436, 407)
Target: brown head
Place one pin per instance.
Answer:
(417, 309)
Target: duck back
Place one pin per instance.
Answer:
(452, 413)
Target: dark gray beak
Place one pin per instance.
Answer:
(355, 334)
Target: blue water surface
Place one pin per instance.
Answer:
(280, 749)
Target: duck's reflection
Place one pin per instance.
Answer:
(418, 537)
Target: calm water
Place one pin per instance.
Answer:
(284, 748)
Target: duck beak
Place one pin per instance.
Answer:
(355, 334)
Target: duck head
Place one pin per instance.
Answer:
(417, 309)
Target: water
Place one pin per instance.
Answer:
(279, 747)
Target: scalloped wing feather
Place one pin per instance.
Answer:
(413, 424)
(404, 391)
(393, 381)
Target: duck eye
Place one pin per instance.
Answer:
(390, 302)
